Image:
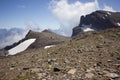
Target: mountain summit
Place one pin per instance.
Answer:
(45, 38)
(98, 20)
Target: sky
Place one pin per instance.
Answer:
(19, 13)
(50, 14)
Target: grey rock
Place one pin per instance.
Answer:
(97, 22)
(72, 71)
(89, 75)
(41, 75)
(112, 75)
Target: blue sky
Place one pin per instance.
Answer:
(17, 13)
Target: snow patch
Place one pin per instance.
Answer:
(46, 47)
(118, 24)
(21, 47)
(108, 13)
(87, 28)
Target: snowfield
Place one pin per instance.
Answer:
(108, 13)
(87, 28)
(118, 24)
(21, 47)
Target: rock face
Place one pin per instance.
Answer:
(98, 20)
(43, 39)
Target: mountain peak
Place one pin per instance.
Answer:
(42, 39)
(97, 21)
(46, 30)
(30, 31)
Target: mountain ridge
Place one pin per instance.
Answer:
(43, 38)
(98, 20)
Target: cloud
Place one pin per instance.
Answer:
(10, 36)
(69, 14)
(108, 8)
(11, 39)
(32, 26)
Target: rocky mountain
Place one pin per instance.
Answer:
(97, 21)
(42, 39)
(93, 57)
(45, 38)
(93, 52)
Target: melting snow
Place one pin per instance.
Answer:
(108, 13)
(46, 47)
(87, 28)
(118, 24)
(21, 47)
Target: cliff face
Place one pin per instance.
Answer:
(98, 20)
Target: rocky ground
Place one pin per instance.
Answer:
(93, 57)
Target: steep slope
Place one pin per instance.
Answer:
(42, 39)
(98, 20)
(93, 57)
(45, 38)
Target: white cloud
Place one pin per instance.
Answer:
(32, 26)
(12, 37)
(108, 8)
(69, 14)
(16, 34)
